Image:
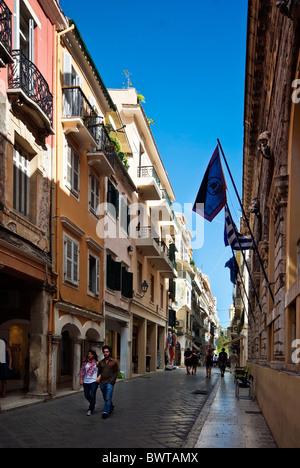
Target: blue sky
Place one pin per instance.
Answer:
(188, 60)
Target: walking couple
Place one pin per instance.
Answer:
(103, 373)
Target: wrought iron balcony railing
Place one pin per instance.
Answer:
(24, 75)
(5, 26)
(149, 171)
(76, 104)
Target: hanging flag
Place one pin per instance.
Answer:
(211, 198)
(234, 269)
(232, 236)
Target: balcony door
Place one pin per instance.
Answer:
(73, 101)
(25, 24)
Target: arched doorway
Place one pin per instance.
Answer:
(68, 357)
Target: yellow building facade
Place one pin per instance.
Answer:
(85, 157)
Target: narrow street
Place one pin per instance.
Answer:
(155, 411)
(159, 411)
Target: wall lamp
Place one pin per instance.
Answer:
(144, 288)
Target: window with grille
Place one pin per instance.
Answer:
(71, 260)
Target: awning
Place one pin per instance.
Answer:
(241, 337)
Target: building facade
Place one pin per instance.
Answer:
(152, 232)
(271, 198)
(27, 145)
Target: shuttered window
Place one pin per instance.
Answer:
(72, 167)
(113, 274)
(21, 182)
(94, 193)
(93, 274)
(71, 260)
(127, 284)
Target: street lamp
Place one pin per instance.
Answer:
(144, 287)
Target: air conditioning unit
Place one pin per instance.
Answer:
(179, 323)
(235, 329)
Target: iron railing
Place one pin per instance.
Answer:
(5, 26)
(147, 232)
(149, 171)
(76, 104)
(24, 75)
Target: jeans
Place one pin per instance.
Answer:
(107, 391)
(90, 391)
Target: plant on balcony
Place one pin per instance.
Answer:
(119, 151)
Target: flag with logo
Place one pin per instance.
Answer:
(211, 197)
(232, 236)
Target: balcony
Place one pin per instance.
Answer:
(155, 250)
(79, 118)
(5, 35)
(148, 183)
(103, 156)
(30, 97)
(147, 241)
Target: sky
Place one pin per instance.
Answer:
(188, 60)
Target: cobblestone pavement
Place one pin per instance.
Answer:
(155, 411)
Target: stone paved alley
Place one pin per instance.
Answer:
(156, 411)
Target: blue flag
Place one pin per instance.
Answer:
(234, 269)
(211, 198)
(233, 237)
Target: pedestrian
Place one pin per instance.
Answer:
(88, 377)
(188, 360)
(234, 359)
(194, 362)
(223, 357)
(209, 362)
(108, 370)
(5, 366)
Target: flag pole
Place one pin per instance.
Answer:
(247, 222)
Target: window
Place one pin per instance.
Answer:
(127, 283)
(72, 169)
(94, 194)
(71, 260)
(125, 215)
(152, 288)
(118, 278)
(161, 296)
(113, 274)
(112, 200)
(139, 276)
(21, 181)
(24, 25)
(93, 274)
